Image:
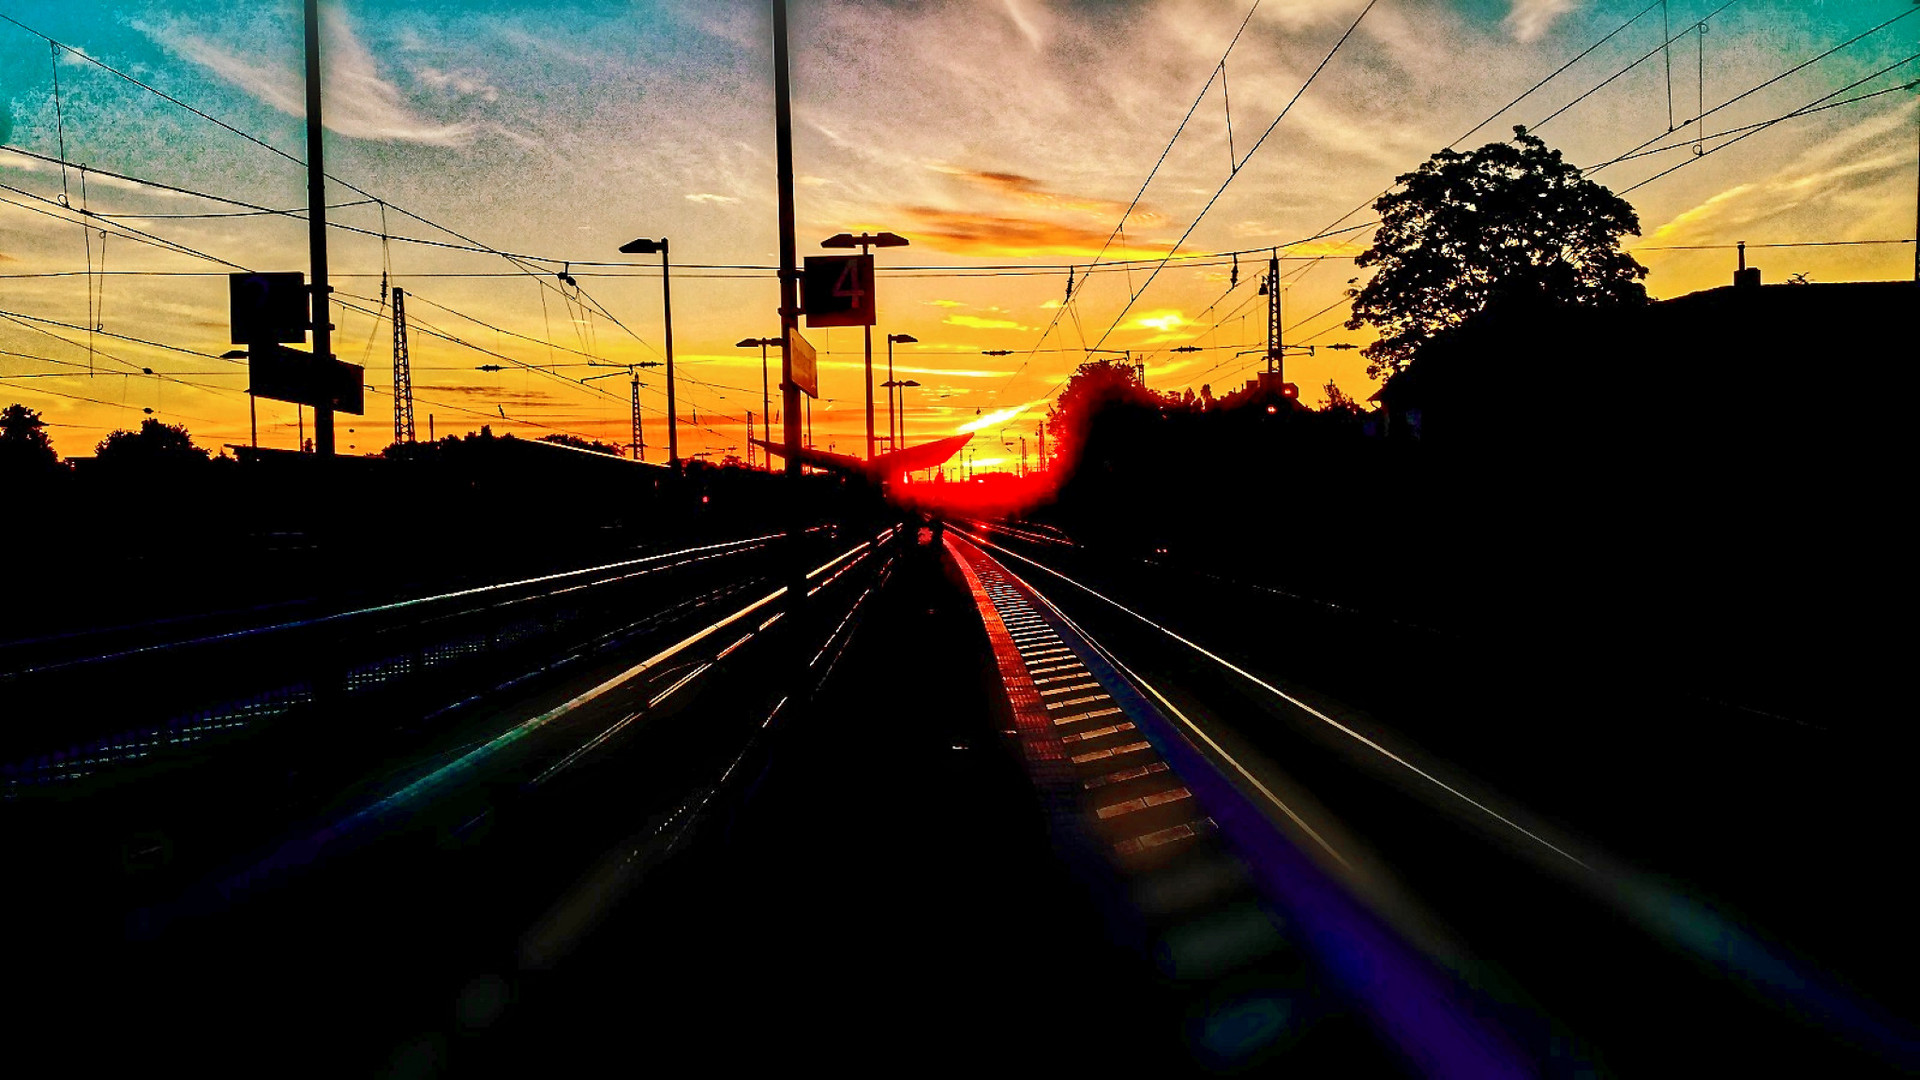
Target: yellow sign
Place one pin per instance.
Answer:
(805, 365)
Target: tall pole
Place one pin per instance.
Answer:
(1275, 364)
(666, 303)
(639, 439)
(789, 272)
(766, 407)
(317, 234)
(866, 336)
(402, 371)
(893, 438)
(900, 439)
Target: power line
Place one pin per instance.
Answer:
(1702, 21)
(1756, 89)
(1229, 180)
(1757, 129)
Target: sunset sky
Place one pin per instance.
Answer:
(1004, 138)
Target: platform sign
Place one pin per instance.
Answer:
(837, 290)
(283, 374)
(268, 308)
(805, 366)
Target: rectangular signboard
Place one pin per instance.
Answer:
(268, 307)
(805, 366)
(837, 290)
(284, 374)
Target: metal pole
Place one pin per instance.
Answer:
(866, 334)
(1275, 364)
(317, 234)
(673, 417)
(789, 273)
(766, 407)
(893, 388)
(639, 439)
(253, 418)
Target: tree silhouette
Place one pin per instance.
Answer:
(563, 439)
(1339, 401)
(1096, 386)
(1508, 218)
(155, 445)
(24, 446)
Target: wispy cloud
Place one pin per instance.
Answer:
(1820, 185)
(1026, 189)
(1527, 20)
(457, 83)
(1024, 21)
(360, 103)
(968, 233)
(975, 322)
(709, 198)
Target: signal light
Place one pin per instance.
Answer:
(1271, 409)
(1289, 391)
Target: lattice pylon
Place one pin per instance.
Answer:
(402, 372)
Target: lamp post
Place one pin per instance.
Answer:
(253, 418)
(900, 388)
(863, 242)
(644, 246)
(766, 393)
(893, 438)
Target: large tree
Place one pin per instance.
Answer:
(154, 445)
(24, 446)
(1096, 386)
(1510, 218)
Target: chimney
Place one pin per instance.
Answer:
(1745, 278)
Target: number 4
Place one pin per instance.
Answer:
(848, 286)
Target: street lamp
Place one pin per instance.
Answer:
(863, 242)
(766, 394)
(253, 421)
(644, 246)
(893, 438)
(900, 387)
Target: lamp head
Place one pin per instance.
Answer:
(904, 339)
(644, 246)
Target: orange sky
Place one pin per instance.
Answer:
(1005, 138)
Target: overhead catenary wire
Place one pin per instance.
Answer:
(1255, 148)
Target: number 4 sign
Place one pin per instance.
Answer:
(837, 290)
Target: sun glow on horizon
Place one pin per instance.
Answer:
(996, 418)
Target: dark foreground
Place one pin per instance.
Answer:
(662, 820)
